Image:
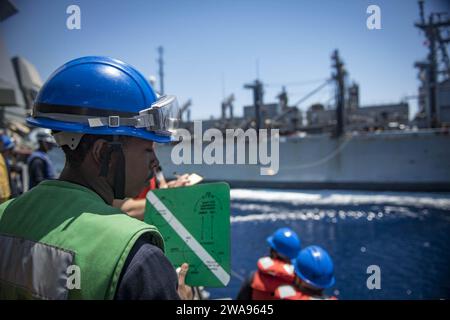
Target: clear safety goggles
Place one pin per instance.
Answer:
(162, 117)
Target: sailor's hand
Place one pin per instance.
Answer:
(180, 182)
(184, 291)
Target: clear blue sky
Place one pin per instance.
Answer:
(209, 41)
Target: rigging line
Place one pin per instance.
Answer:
(327, 158)
(295, 83)
(312, 92)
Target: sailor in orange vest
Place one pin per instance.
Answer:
(275, 270)
(314, 272)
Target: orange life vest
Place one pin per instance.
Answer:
(288, 292)
(151, 186)
(271, 274)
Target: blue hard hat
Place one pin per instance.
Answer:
(314, 266)
(8, 143)
(96, 95)
(286, 242)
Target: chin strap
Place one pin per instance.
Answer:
(119, 176)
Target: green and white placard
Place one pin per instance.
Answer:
(195, 224)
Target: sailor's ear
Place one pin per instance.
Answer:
(99, 150)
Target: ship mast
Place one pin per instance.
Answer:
(258, 93)
(161, 69)
(430, 69)
(338, 76)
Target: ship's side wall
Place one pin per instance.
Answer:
(385, 161)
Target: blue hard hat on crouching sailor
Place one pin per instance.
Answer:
(103, 96)
(286, 242)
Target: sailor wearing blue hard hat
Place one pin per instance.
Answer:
(8, 143)
(285, 243)
(314, 272)
(40, 166)
(274, 270)
(106, 117)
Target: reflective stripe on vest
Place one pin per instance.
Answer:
(288, 292)
(271, 274)
(57, 217)
(276, 268)
(38, 268)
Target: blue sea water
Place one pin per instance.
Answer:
(406, 234)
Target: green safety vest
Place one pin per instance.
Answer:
(59, 233)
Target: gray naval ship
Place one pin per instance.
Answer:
(337, 145)
(344, 145)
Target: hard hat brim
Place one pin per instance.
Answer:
(271, 243)
(317, 285)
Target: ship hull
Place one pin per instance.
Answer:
(409, 161)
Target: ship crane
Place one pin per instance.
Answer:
(284, 99)
(185, 109)
(429, 70)
(227, 104)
